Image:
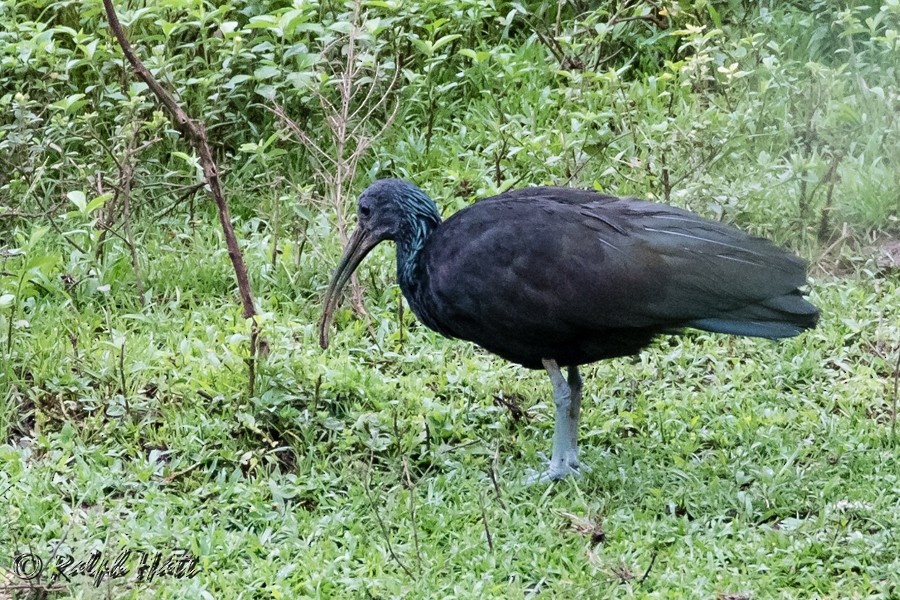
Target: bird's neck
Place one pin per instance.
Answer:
(409, 247)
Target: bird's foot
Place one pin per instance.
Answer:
(552, 474)
(559, 469)
(576, 465)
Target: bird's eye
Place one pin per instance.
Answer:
(364, 211)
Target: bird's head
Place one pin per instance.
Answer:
(389, 209)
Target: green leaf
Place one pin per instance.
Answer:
(300, 80)
(235, 81)
(341, 27)
(228, 28)
(97, 203)
(190, 160)
(309, 27)
(271, 140)
(40, 262)
(168, 28)
(266, 72)
(381, 4)
(424, 46)
(262, 22)
(714, 15)
(70, 104)
(78, 199)
(478, 57)
(445, 40)
(266, 91)
(292, 19)
(36, 236)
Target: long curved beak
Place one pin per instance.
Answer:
(358, 246)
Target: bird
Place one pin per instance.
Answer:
(554, 278)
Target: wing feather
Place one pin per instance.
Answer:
(544, 265)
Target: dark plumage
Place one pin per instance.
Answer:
(548, 277)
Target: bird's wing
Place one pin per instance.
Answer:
(555, 267)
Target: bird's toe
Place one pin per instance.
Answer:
(575, 464)
(555, 472)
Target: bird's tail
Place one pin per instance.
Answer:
(773, 318)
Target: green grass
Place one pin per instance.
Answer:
(385, 467)
(734, 466)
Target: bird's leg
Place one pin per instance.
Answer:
(563, 427)
(575, 388)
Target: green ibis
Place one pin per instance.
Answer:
(553, 278)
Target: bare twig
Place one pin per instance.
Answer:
(195, 131)
(412, 491)
(808, 136)
(650, 18)
(15, 214)
(57, 228)
(122, 375)
(831, 178)
(387, 122)
(598, 152)
(384, 531)
(62, 539)
(412, 511)
(845, 235)
(579, 61)
(487, 529)
(173, 476)
(251, 360)
(896, 385)
(123, 191)
(320, 154)
(492, 471)
(276, 221)
(347, 119)
(188, 193)
(716, 152)
(516, 412)
(113, 232)
(400, 316)
(649, 567)
(551, 43)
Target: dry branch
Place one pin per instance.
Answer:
(15, 214)
(346, 120)
(896, 389)
(123, 193)
(367, 480)
(195, 132)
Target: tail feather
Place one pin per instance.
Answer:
(773, 318)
